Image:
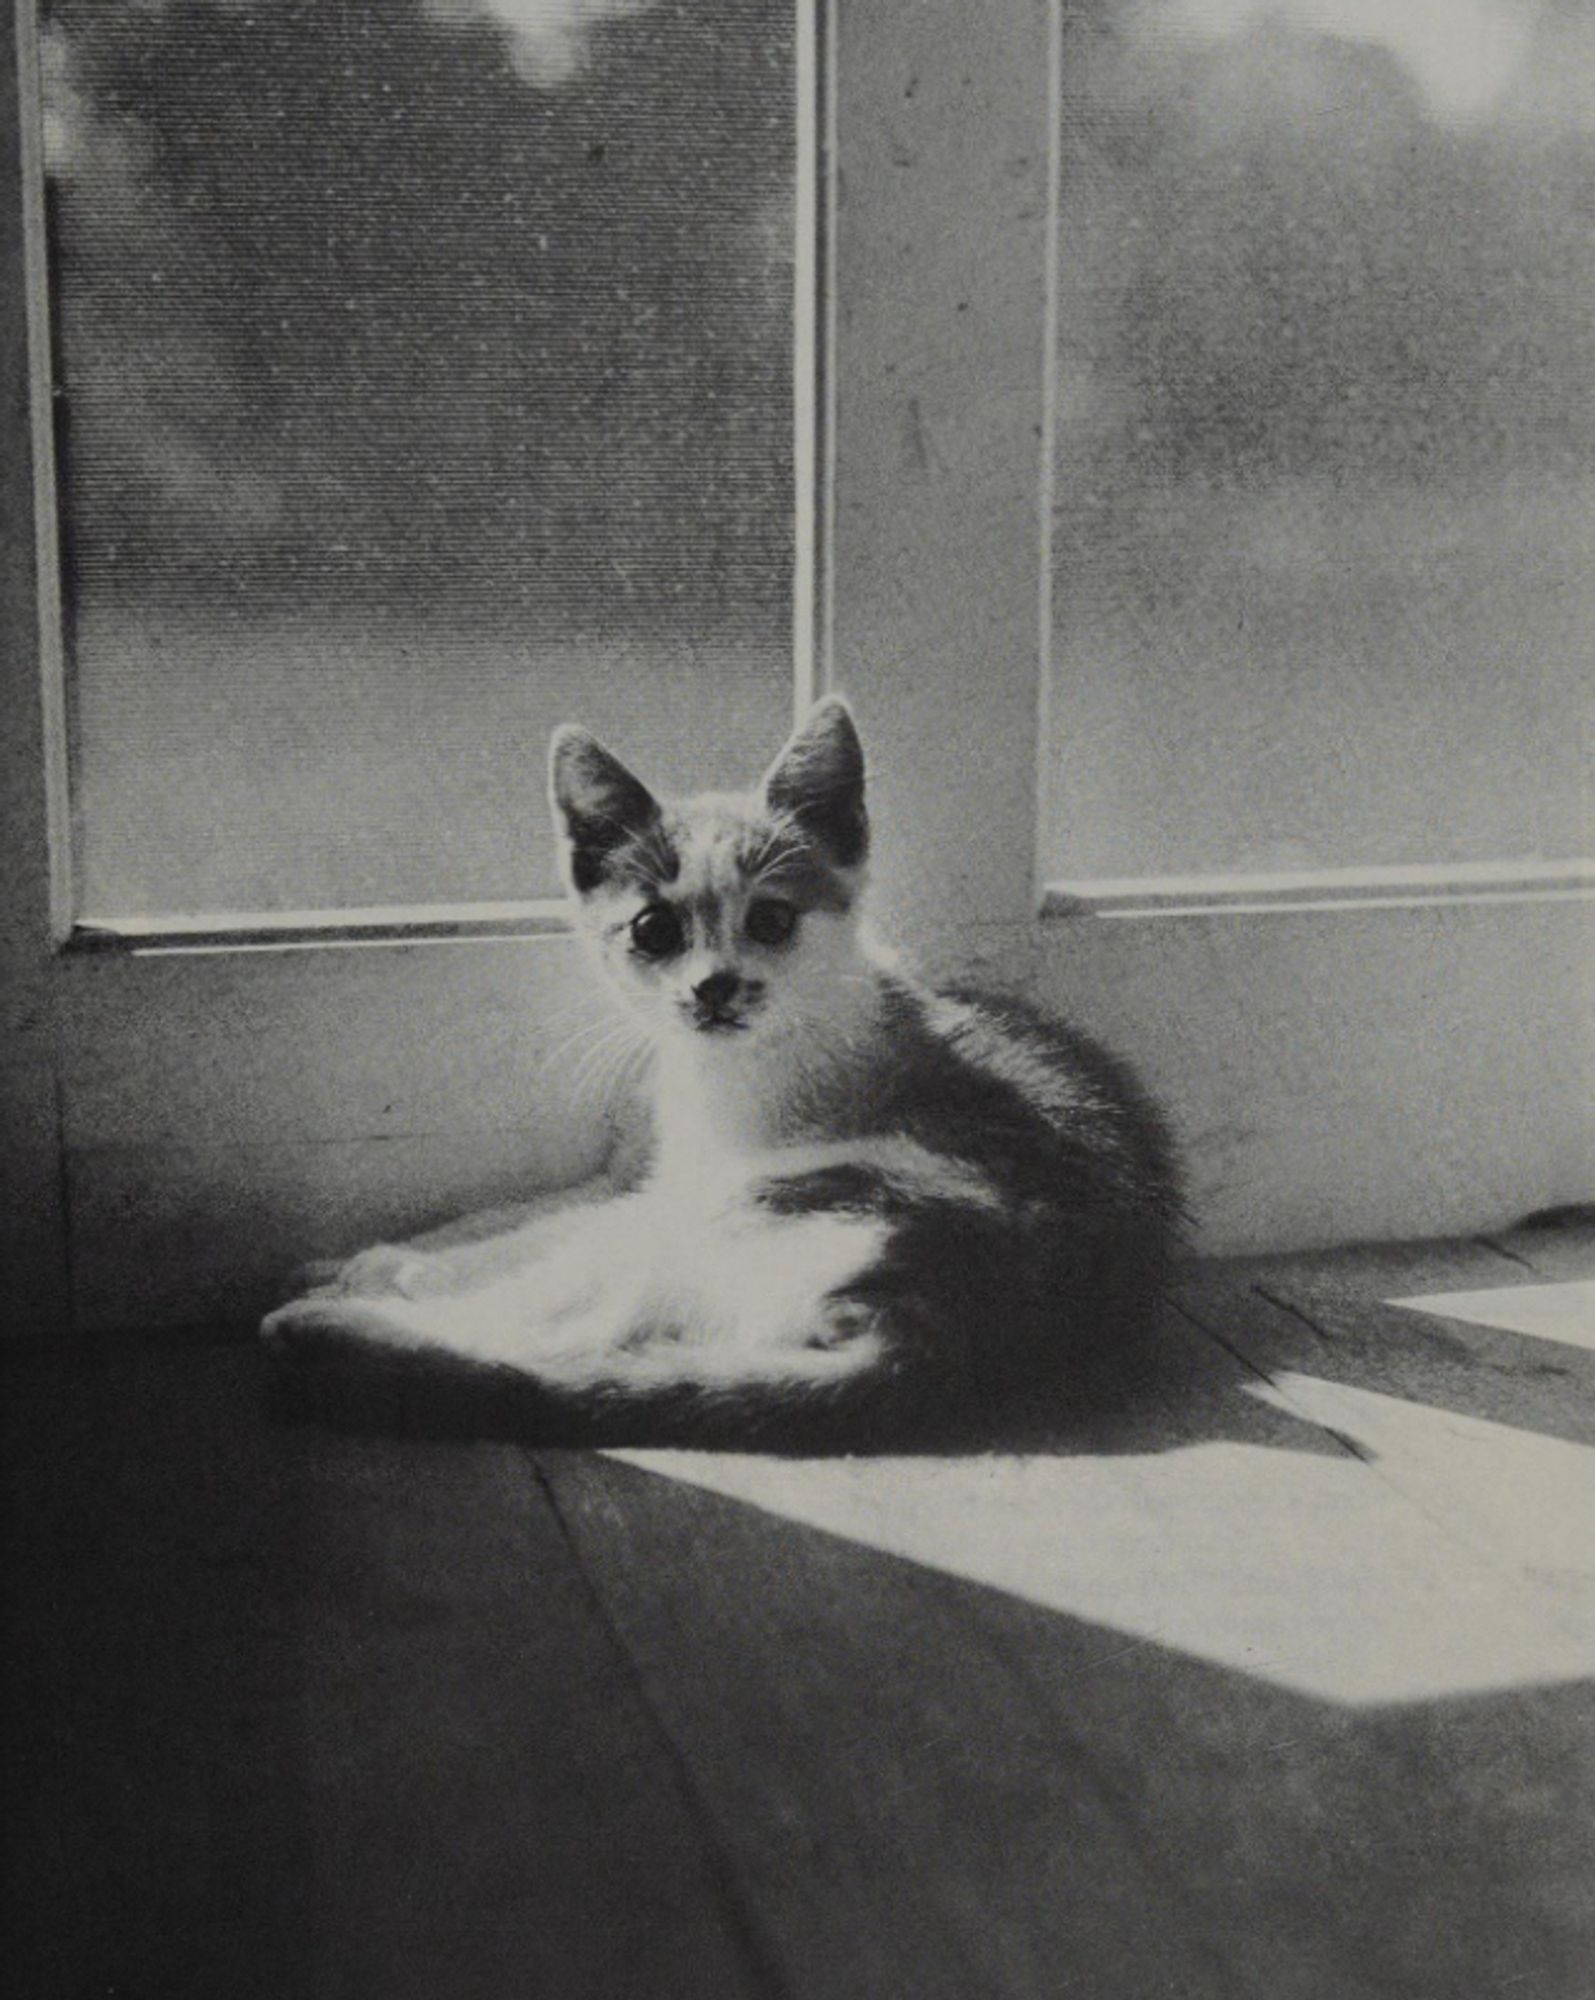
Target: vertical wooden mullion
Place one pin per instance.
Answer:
(943, 119)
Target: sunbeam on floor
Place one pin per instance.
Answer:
(1388, 1550)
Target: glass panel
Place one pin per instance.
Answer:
(1324, 592)
(428, 380)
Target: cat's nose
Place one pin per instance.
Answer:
(718, 990)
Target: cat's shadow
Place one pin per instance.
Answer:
(1165, 1387)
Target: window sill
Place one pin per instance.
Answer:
(1286, 892)
(308, 930)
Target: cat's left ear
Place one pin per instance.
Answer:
(818, 781)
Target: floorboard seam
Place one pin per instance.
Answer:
(1502, 1250)
(1298, 1313)
(742, 1919)
(1349, 1445)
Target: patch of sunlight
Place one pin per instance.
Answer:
(1453, 1558)
(1522, 1503)
(1548, 1312)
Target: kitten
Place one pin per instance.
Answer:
(866, 1198)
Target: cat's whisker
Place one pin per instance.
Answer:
(620, 1034)
(620, 1081)
(596, 1043)
(581, 1041)
(620, 1071)
(585, 1085)
(578, 1009)
(602, 1065)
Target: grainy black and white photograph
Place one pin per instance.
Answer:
(797, 1117)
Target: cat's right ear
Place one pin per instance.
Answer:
(599, 805)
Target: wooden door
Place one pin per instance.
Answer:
(193, 1108)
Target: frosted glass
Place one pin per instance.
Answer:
(426, 379)
(1325, 465)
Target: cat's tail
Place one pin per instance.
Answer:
(377, 1363)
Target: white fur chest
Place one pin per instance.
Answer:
(715, 1109)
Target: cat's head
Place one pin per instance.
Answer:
(725, 916)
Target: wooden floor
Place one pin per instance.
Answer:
(1279, 1681)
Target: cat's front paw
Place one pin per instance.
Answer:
(305, 1327)
(386, 1270)
(329, 1323)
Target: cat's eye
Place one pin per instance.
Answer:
(769, 921)
(656, 932)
